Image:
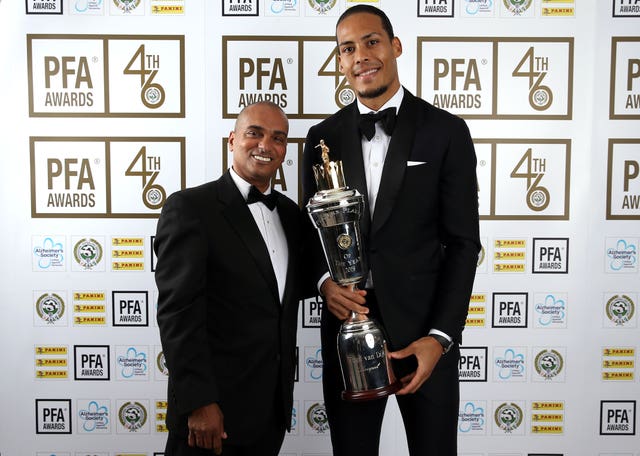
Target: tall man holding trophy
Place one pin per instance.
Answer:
(413, 166)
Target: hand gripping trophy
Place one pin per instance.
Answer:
(335, 211)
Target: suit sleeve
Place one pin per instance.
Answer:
(181, 271)
(459, 232)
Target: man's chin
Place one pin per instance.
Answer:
(373, 93)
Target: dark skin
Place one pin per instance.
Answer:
(259, 144)
(367, 57)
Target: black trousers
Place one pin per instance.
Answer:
(430, 426)
(267, 444)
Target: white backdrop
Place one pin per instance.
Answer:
(104, 112)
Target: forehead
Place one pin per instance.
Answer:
(263, 116)
(358, 25)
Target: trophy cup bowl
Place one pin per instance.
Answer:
(335, 211)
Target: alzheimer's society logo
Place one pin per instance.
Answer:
(472, 418)
(622, 255)
(133, 364)
(48, 253)
(510, 365)
(94, 418)
(550, 311)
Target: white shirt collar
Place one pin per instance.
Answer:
(243, 185)
(393, 102)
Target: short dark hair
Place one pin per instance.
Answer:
(386, 23)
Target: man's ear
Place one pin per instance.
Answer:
(232, 138)
(397, 46)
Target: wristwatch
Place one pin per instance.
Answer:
(446, 343)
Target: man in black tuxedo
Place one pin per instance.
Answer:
(227, 276)
(416, 170)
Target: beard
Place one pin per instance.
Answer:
(373, 93)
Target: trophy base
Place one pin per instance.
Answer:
(369, 395)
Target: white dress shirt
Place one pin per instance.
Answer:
(271, 229)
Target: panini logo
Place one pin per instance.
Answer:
(106, 76)
(623, 178)
(288, 70)
(98, 177)
(524, 179)
(498, 78)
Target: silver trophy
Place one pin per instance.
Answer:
(362, 348)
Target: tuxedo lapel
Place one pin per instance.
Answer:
(240, 219)
(353, 163)
(395, 163)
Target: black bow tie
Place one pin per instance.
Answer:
(367, 122)
(256, 196)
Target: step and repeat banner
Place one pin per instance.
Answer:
(109, 106)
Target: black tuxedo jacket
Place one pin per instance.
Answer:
(225, 335)
(423, 241)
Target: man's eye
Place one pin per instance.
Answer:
(346, 50)
(373, 42)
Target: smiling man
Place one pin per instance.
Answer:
(415, 165)
(227, 277)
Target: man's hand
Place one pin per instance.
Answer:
(427, 351)
(206, 428)
(342, 300)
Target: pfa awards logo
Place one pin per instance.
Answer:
(240, 7)
(497, 78)
(44, 6)
(508, 418)
(50, 309)
(92, 362)
(94, 416)
(623, 178)
(510, 310)
(472, 364)
(130, 308)
(550, 256)
(132, 417)
(620, 310)
(524, 179)
(312, 311)
(104, 177)
(618, 417)
(288, 70)
(625, 77)
(106, 76)
(435, 8)
(53, 416)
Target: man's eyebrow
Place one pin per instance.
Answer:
(362, 38)
(262, 129)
